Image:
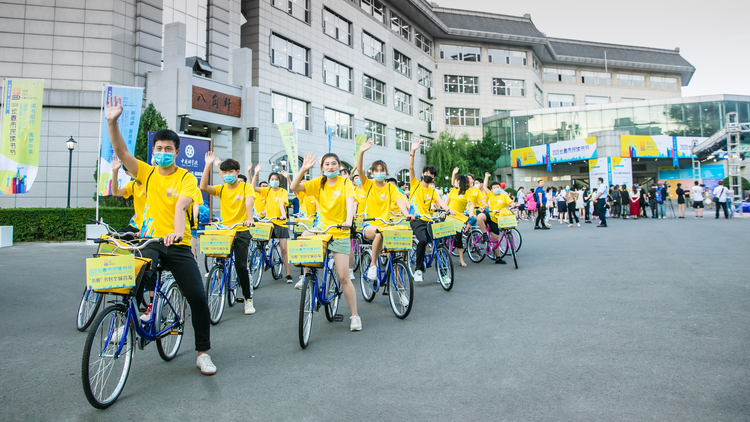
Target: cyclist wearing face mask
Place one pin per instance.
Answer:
(459, 201)
(498, 202)
(277, 202)
(421, 198)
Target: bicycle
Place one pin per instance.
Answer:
(478, 248)
(357, 241)
(108, 351)
(222, 278)
(266, 254)
(314, 293)
(437, 252)
(395, 269)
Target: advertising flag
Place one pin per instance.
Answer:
(359, 140)
(20, 134)
(288, 132)
(132, 101)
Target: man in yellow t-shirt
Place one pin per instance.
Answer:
(236, 203)
(277, 202)
(169, 193)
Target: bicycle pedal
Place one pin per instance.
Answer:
(338, 318)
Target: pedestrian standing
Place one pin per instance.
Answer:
(625, 202)
(550, 204)
(635, 203)
(720, 194)
(652, 201)
(696, 192)
(616, 201)
(587, 194)
(661, 199)
(680, 201)
(707, 202)
(531, 206)
(579, 201)
(541, 200)
(570, 199)
(521, 201)
(601, 201)
(643, 200)
(562, 203)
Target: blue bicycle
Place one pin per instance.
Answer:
(108, 352)
(437, 252)
(221, 281)
(264, 254)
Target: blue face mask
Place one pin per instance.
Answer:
(357, 182)
(567, 189)
(379, 177)
(331, 174)
(163, 159)
(497, 191)
(273, 183)
(230, 178)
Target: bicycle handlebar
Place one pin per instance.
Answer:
(110, 230)
(219, 226)
(389, 222)
(128, 246)
(319, 230)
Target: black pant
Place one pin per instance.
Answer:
(541, 210)
(615, 210)
(240, 248)
(654, 210)
(722, 205)
(180, 260)
(602, 206)
(422, 231)
(587, 212)
(572, 213)
(458, 240)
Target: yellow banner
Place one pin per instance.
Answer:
(110, 272)
(443, 229)
(288, 132)
(20, 134)
(397, 238)
(261, 231)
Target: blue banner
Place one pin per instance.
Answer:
(130, 119)
(675, 153)
(548, 159)
(191, 157)
(330, 133)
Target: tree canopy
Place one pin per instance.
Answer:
(449, 151)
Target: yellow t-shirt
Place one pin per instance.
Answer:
(232, 202)
(379, 201)
(162, 194)
(458, 203)
(273, 200)
(308, 204)
(476, 197)
(359, 195)
(498, 203)
(421, 199)
(331, 203)
(139, 201)
(259, 206)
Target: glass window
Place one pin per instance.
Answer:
(537, 65)
(423, 42)
(403, 140)
(596, 100)
(287, 109)
(373, 47)
(424, 76)
(401, 64)
(636, 81)
(462, 116)
(515, 58)
(628, 100)
(337, 27)
(460, 53)
(539, 95)
(561, 100)
(559, 75)
(300, 9)
(425, 111)
(337, 74)
(509, 87)
(374, 90)
(663, 83)
(290, 55)
(461, 84)
(496, 112)
(596, 78)
(403, 175)
(400, 26)
(374, 8)
(425, 145)
(402, 101)
(340, 123)
(376, 132)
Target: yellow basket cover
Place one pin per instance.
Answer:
(115, 274)
(306, 221)
(397, 238)
(507, 221)
(458, 221)
(218, 243)
(444, 229)
(261, 231)
(308, 251)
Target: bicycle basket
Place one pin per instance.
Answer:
(309, 251)
(397, 238)
(507, 221)
(306, 221)
(444, 229)
(218, 243)
(261, 231)
(458, 221)
(115, 274)
(109, 248)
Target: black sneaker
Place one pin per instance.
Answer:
(485, 238)
(288, 279)
(537, 228)
(500, 261)
(545, 228)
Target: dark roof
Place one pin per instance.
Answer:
(489, 23)
(618, 53)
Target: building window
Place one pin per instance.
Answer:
(403, 140)
(537, 66)
(340, 123)
(300, 9)
(462, 84)
(425, 111)
(402, 101)
(337, 27)
(515, 58)
(337, 74)
(636, 81)
(287, 109)
(509, 87)
(376, 132)
(561, 100)
(403, 176)
(630, 100)
(462, 116)
(400, 26)
(590, 100)
(401, 64)
(426, 141)
(374, 90)
(290, 55)
(539, 95)
(423, 42)
(596, 78)
(373, 47)
(559, 75)
(374, 8)
(424, 76)
(663, 83)
(460, 53)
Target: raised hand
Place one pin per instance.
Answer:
(486, 174)
(249, 169)
(455, 171)
(210, 158)
(257, 169)
(309, 162)
(366, 146)
(415, 145)
(113, 108)
(116, 164)
(284, 173)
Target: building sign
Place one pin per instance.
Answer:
(614, 170)
(558, 152)
(191, 157)
(20, 134)
(658, 146)
(216, 102)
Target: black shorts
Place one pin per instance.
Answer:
(280, 232)
(680, 200)
(697, 204)
(522, 207)
(562, 206)
(494, 228)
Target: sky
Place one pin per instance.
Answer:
(718, 49)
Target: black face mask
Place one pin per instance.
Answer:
(428, 179)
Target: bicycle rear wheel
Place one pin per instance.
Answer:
(233, 288)
(356, 247)
(475, 246)
(255, 264)
(168, 344)
(444, 267)
(450, 243)
(276, 261)
(306, 309)
(90, 303)
(368, 287)
(103, 370)
(215, 293)
(512, 247)
(401, 293)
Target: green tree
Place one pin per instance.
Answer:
(481, 156)
(446, 153)
(745, 184)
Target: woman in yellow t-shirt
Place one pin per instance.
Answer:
(498, 202)
(336, 206)
(460, 201)
(277, 202)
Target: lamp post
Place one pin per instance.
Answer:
(71, 144)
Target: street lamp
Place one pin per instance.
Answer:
(71, 144)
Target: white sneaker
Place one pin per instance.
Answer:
(206, 366)
(403, 299)
(351, 274)
(355, 324)
(299, 284)
(146, 314)
(418, 276)
(372, 273)
(249, 308)
(117, 335)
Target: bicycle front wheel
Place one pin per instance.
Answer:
(444, 267)
(306, 308)
(170, 316)
(215, 293)
(516, 239)
(475, 246)
(276, 261)
(88, 308)
(333, 293)
(104, 371)
(368, 287)
(512, 247)
(255, 264)
(401, 293)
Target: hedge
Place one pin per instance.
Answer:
(58, 224)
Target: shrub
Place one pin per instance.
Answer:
(58, 224)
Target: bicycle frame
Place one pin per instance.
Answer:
(382, 277)
(319, 298)
(227, 263)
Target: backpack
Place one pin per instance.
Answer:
(659, 198)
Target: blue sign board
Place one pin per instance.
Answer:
(192, 156)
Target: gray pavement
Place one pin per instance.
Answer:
(644, 320)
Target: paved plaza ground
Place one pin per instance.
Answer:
(646, 320)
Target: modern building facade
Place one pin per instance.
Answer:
(395, 71)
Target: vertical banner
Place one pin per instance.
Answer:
(599, 167)
(330, 134)
(132, 101)
(547, 158)
(621, 171)
(191, 157)
(20, 134)
(359, 140)
(288, 132)
(675, 153)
